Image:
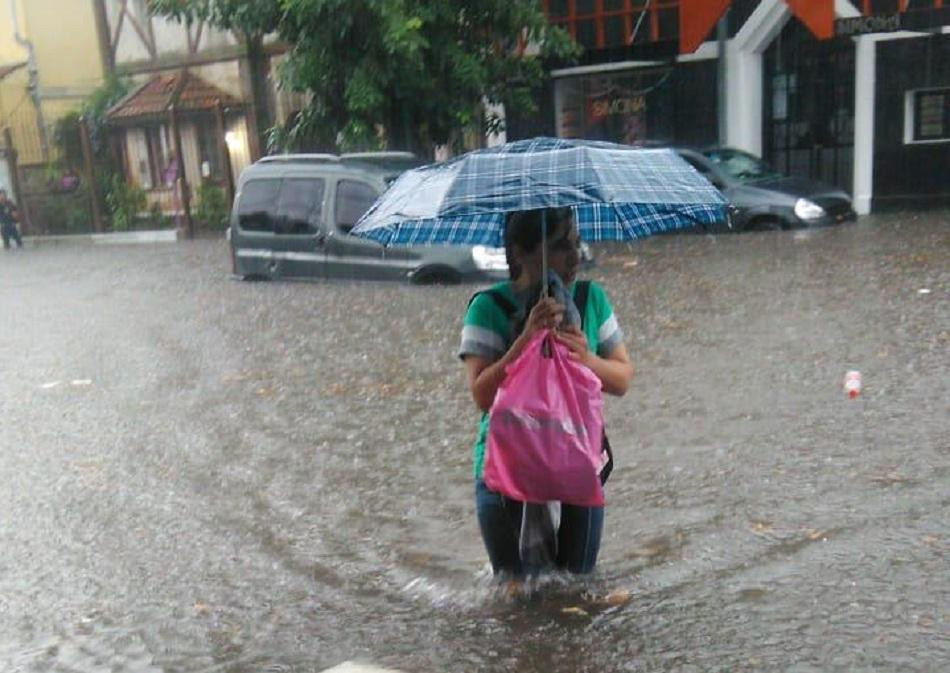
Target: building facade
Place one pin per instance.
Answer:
(223, 100)
(856, 93)
(45, 71)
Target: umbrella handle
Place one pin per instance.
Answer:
(544, 253)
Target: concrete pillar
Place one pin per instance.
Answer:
(865, 63)
(744, 99)
(744, 69)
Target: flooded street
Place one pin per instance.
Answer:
(202, 474)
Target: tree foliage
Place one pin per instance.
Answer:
(246, 17)
(397, 73)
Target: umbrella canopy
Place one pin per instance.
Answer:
(617, 192)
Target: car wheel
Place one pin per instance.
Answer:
(436, 276)
(765, 223)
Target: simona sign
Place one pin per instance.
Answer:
(861, 25)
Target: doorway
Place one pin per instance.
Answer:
(809, 106)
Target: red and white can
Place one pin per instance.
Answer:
(852, 383)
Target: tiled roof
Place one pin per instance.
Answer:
(186, 91)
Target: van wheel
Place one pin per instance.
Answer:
(765, 223)
(436, 276)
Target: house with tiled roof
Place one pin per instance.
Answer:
(197, 94)
(174, 112)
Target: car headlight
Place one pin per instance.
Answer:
(808, 210)
(489, 259)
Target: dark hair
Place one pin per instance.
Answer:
(523, 228)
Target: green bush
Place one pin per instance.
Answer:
(124, 202)
(156, 218)
(65, 214)
(212, 209)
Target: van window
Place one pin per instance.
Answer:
(352, 200)
(258, 201)
(299, 206)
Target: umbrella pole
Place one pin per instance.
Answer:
(544, 253)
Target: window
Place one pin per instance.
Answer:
(152, 156)
(597, 24)
(299, 206)
(352, 200)
(931, 115)
(257, 204)
(292, 206)
(207, 133)
(703, 169)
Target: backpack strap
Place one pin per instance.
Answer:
(581, 290)
(501, 301)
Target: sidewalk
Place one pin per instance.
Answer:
(112, 238)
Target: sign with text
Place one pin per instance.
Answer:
(598, 108)
(862, 25)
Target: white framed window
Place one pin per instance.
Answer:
(927, 116)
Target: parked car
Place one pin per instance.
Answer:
(292, 215)
(765, 199)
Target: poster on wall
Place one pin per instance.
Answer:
(617, 116)
(616, 107)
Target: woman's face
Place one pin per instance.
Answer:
(563, 255)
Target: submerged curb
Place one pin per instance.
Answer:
(113, 238)
(355, 667)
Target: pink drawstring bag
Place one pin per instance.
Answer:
(545, 428)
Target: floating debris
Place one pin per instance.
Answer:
(617, 597)
(760, 526)
(888, 478)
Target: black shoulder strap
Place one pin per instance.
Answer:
(501, 301)
(581, 290)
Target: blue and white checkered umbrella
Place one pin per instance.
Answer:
(618, 193)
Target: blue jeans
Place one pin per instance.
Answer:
(499, 519)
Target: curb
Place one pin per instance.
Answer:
(114, 238)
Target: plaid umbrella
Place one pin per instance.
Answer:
(618, 193)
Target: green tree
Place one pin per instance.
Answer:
(397, 73)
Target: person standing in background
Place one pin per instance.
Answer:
(9, 216)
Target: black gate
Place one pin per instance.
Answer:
(809, 106)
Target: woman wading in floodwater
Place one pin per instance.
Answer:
(498, 324)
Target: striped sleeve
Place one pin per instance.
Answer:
(609, 334)
(484, 329)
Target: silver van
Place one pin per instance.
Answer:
(292, 215)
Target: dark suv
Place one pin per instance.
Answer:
(764, 199)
